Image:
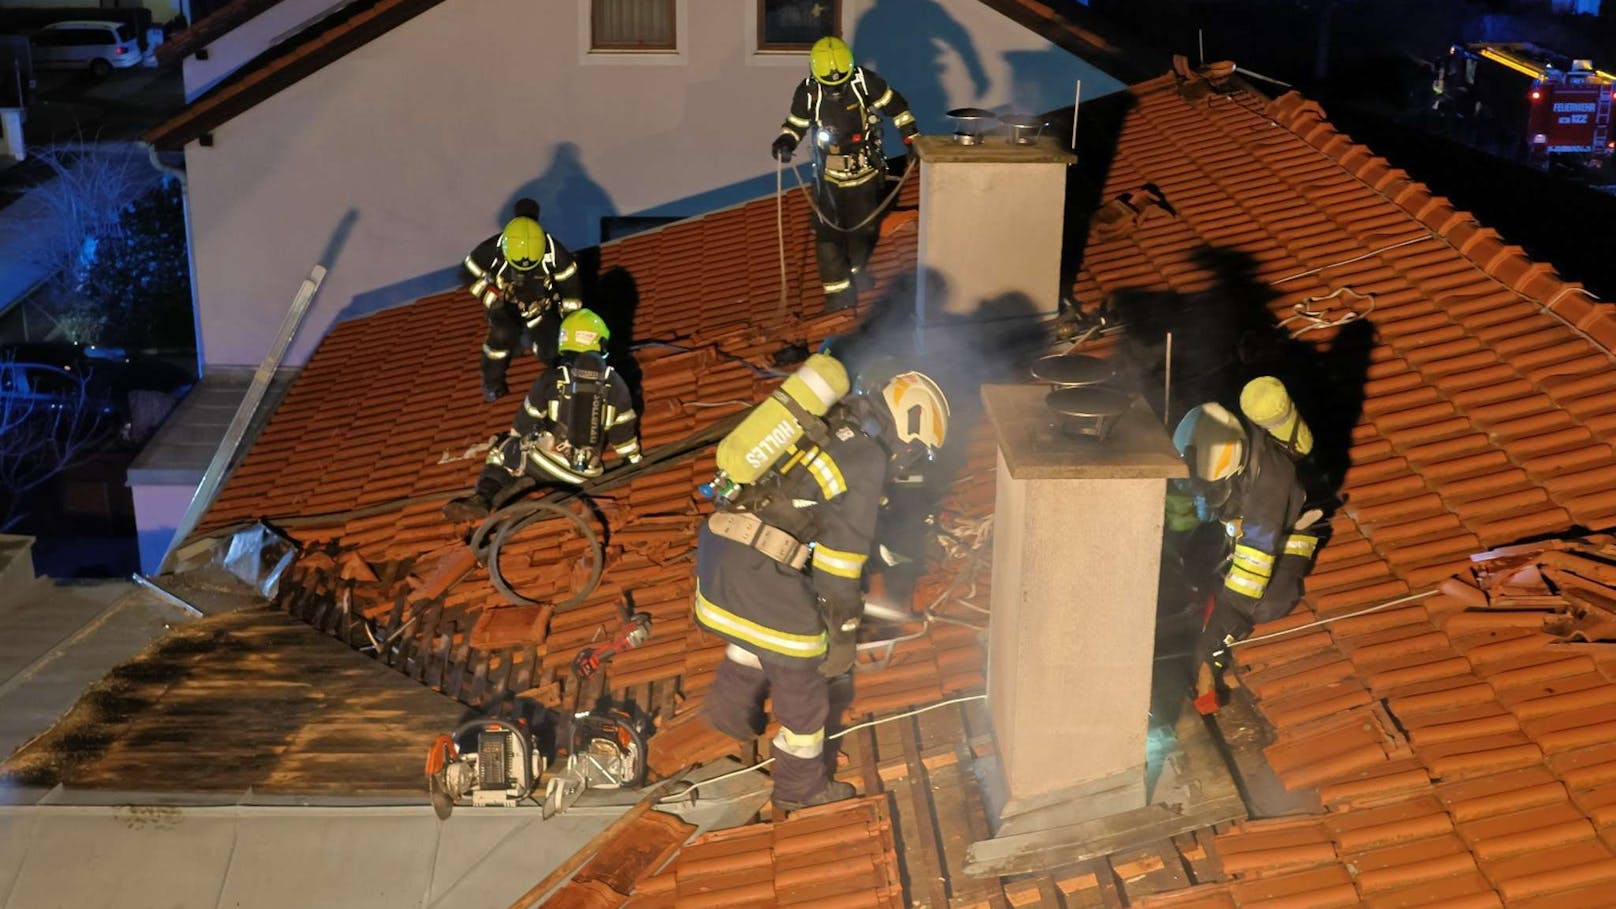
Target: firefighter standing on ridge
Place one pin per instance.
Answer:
(780, 563)
(1244, 474)
(526, 281)
(574, 410)
(838, 107)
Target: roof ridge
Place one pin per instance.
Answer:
(309, 50)
(1536, 282)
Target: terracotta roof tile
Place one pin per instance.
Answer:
(841, 854)
(1443, 736)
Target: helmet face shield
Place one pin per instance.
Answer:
(1212, 442)
(918, 408)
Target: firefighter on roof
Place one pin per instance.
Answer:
(780, 563)
(526, 281)
(1244, 474)
(578, 407)
(838, 108)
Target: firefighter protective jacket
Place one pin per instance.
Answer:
(830, 495)
(493, 279)
(851, 148)
(593, 410)
(1267, 500)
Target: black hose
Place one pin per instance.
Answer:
(509, 520)
(487, 540)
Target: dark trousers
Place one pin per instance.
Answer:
(842, 252)
(506, 328)
(805, 703)
(1234, 616)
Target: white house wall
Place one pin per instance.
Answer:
(390, 164)
(248, 40)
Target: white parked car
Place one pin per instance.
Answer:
(99, 46)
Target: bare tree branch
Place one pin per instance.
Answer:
(49, 419)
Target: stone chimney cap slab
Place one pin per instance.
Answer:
(1136, 448)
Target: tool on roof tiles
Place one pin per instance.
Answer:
(603, 741)
(492, 762)
(599, 744)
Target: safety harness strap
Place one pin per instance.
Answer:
(749, 530)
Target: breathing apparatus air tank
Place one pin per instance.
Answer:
(772, 428)
(1265, 402)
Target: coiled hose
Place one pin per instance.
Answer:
(516, 514)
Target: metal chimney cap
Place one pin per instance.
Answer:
(972, 123)
(1087, 412)
(1074, 370)
(1024, 128)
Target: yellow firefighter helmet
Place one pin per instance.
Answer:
(831, 61)
(583, 331)
(522, 243)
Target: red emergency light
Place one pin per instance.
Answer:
(1537, 95)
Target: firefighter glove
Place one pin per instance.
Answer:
(841, 613)
(783, 147)
(839, 658)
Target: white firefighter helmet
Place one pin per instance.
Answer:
(919, 408)
(1213, 441)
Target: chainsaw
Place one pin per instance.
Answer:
(603, 743)
(598, 745)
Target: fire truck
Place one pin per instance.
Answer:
(1535, 103)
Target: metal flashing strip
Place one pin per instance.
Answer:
(211, 480)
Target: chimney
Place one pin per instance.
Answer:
(992, 216)
(1080, 492)
(1071, 641)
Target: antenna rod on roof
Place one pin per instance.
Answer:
(1200, 44)
(1167, 384)
(1077, 99)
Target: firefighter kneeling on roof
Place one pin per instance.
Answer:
(575, 409)
(779, 564)
(1244, 475)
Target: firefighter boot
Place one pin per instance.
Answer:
(478, 505)
(834, 791)
(467, 508)
(494, 386)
